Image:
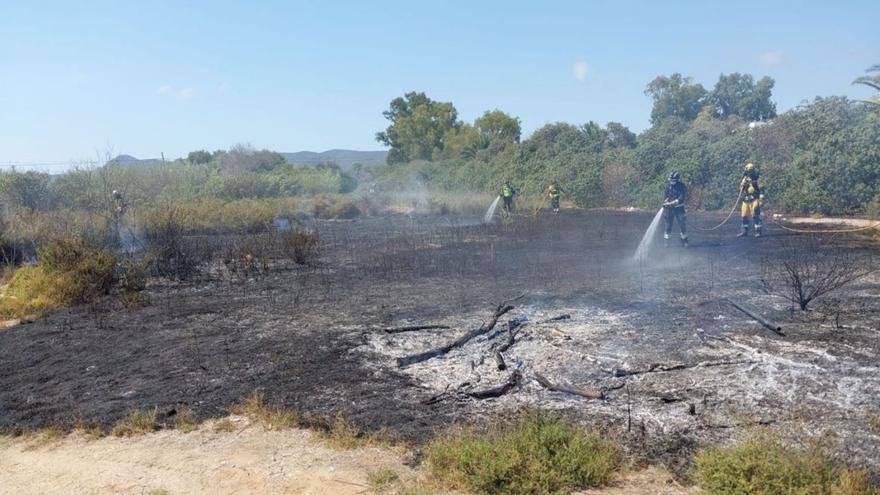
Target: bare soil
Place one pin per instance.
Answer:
(311, 337)
(246, 460)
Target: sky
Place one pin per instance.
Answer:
(82, 79)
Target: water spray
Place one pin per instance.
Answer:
(490, 213)
(648, 238)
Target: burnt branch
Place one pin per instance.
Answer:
(440, 351)
(808, 269)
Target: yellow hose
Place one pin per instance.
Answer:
(732, 210)
(790, 229)
(826, 231)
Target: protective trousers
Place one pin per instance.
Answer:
(673, 214)
(751, 209)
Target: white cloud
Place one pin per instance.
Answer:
(580, 70)
(772, 58)
(186, 93)
(168, 90)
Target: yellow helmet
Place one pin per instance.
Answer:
(750, 166)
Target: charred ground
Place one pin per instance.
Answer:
(311, 337)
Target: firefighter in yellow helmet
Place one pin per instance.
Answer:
(553, 192)
(507, 193)
(752, 190)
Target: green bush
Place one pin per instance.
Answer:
(69, 273)
(763, 465)
(537, 454)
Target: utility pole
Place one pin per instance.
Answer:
(163, 157)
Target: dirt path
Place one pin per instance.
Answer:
(250, 460)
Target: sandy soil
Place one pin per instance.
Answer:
(250, 460)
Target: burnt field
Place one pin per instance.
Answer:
(675, 363)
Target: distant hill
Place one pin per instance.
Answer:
(130, 161)
(344, 158)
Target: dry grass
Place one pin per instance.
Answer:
(224, 425)
(43, 437)
(873, 419)
(271, 418)
(87, 430)
(68, 273)
(185, 421)
(344, 435)
(382, 480)
(139, 422)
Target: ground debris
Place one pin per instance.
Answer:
(439, 351)
(583, 392)
(415, 328)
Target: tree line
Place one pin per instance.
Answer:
(820, 157)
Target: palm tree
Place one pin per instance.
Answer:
(872, 81)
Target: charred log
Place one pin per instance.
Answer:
(415, 328)
(440, 351)
(588, 393)
(512, 383)
(763, 321)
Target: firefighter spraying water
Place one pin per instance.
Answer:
(674, 208)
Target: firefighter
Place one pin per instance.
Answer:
(752, 190)
(673, 204)
(553, 191)
(507, 193)
(119, 205)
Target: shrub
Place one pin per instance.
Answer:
(324, 206)
(132, 281)
(164, 233)
(763, 465)
(68, 273)
(300, 245)
(537, 454)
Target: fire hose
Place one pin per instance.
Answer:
(729, 215)
(790, 229)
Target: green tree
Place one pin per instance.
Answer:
(620, 136)
(739, 94)
(497, 125)
(418, 127)
(199, 157)
(871, 81)
(28, 190)
(675, 96)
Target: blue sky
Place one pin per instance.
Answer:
(78, 78)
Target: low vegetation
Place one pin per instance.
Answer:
(185, 421)
(69, 272)
(138, 422)
(537, 454)
(270, 417)
(382, 480)
(764, 465)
